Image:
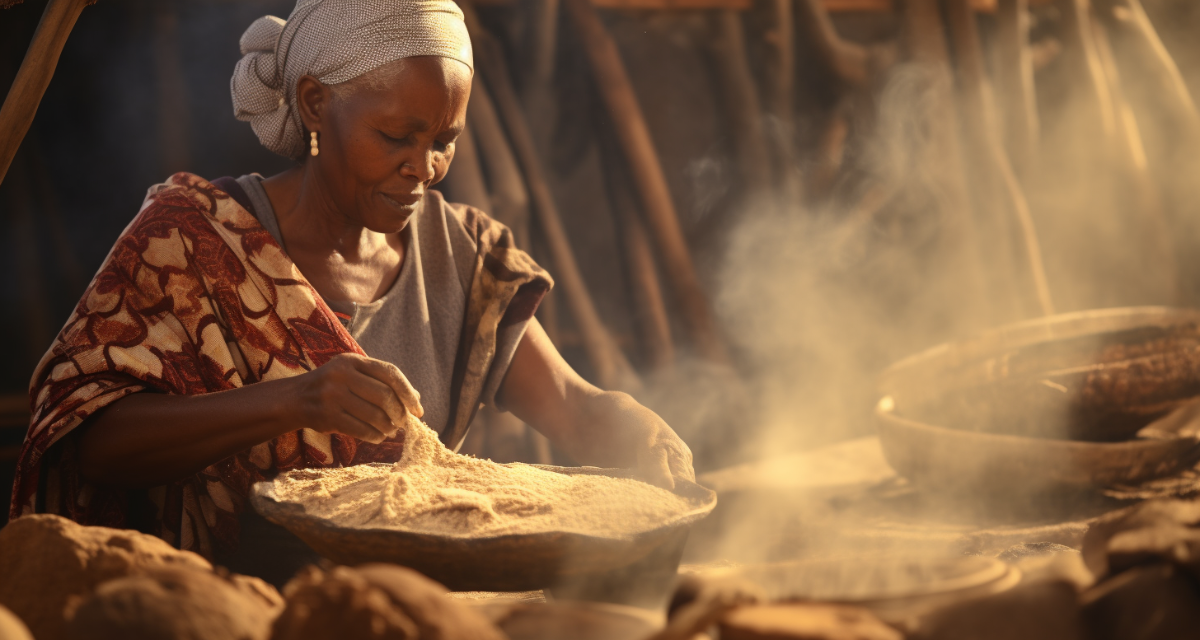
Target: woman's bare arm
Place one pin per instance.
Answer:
(603, 428)
(147, 439)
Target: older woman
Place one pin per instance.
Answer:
(243, 327)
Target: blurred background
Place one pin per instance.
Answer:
(750, 206)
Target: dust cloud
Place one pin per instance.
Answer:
(819, 299)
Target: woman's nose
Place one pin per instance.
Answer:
(419, 168)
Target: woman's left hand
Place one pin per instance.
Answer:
(601, 428)
(661, 455)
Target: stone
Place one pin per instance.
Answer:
(804, 622)
(1153, 602)
(176, 603)
(50, 563)
(375, 602)
(576, 620)
(1063, 566)
(1046, 610)
(11, 627)
(1161, 530)
(700, 601)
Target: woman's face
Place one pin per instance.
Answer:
(386, 138)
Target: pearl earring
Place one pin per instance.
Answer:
(313, 147)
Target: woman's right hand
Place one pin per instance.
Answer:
(353, 395)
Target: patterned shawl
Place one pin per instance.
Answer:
(196, 297)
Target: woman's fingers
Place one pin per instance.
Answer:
(680, 461)
(656, 468)
(351, 426)
(391, 375)
(681, 468)
(382, 396)
(371, 414)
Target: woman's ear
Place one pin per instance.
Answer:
(312, 99)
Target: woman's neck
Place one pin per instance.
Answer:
(343, 259)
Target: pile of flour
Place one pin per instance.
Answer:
(433, 490)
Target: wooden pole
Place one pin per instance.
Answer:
(37, 69)
(780, 88)
(508, 438)
(634, 135)
(510, 199)
(612, 369)
(1013, 64)
(740, 98)
(541, 44)
(781, 63)
(649, 310)
(1083, 146)
(847, 61)
(830, 152)
(853, 69)
(1171, 125)
(537, 97)
(537, 91)
(1083, 65)
(1147, 202)
(1001, 198)
(1159, 67)
(959, 238)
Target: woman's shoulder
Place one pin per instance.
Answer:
(190, 184)
(192, 207)
(471, 219)
(186, 194)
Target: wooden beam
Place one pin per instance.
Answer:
(21, 103)
(1131, 155)
(1013, 65)
(649, 307)
(847, 61)
(739, 95)
(616, 90)
(924, 35)
(1019, 288)
(510, 199)
(611, 367)
(779, 88)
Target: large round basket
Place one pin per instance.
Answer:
(1008, 411)
(500, 563)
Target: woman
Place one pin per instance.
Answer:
(244, 327)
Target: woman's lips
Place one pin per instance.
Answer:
(405, 201)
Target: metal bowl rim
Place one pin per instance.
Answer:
(1062, 444)
(1142, 315)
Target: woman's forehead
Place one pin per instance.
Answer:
(423, 71)
(418, 94)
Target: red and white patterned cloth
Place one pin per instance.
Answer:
(196, 297)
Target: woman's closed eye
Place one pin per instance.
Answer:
(438, 146)
(398, 140)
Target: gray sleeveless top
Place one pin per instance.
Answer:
(417, 324)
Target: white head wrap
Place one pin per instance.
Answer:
(333, 41)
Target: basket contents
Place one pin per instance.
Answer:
(436, 491)
(1102, 387)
